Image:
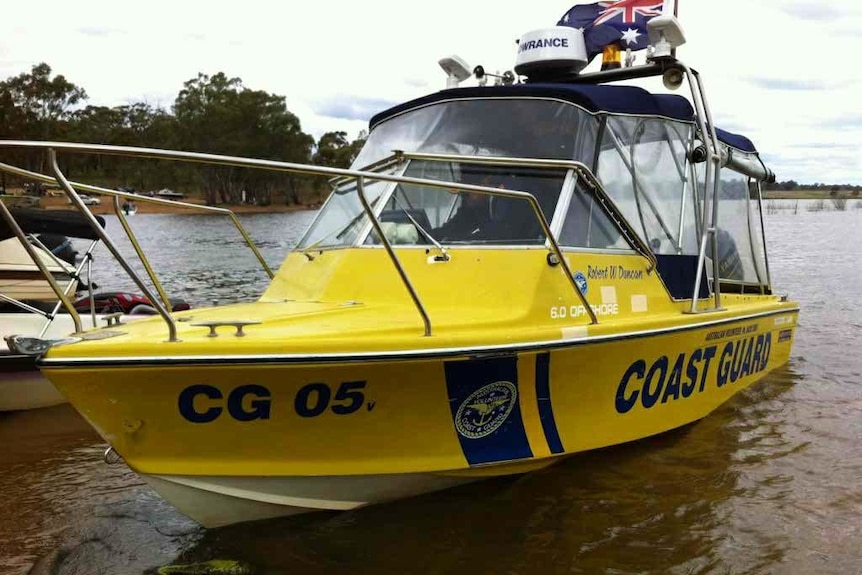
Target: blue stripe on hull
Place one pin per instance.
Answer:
(483, 398)
(546, 410)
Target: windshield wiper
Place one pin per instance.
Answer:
(443, 254)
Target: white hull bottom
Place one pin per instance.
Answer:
(27, 389)
(216, 501)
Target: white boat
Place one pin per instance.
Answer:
(30, 306)
(20, 277)
(22, 386)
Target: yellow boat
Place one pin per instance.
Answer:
(541, 268)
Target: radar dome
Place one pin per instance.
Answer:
(557, 49)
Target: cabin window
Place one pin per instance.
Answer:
(508, 127)
(758, 237)
(644, 168)
(342, 218)
(413, 215)
(736, 254)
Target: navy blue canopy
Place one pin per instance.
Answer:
(611, 99)
(594, 98)
(735, 141)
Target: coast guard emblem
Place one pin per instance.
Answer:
(486, 409)
(581, 281)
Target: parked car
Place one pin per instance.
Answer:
(167, 194)
(89, 200)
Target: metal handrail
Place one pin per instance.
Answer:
(713, 166)
(360, 190)
(530, 198)
(106, 239)
(143, 199)
(137, 247)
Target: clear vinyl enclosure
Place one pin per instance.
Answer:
(643, 162)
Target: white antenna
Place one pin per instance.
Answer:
(456, 70)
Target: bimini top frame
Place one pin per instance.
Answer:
(717, 154)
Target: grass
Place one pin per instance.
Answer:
(811, 195)
(772, 206)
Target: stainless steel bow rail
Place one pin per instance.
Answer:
(361, 177)
(161, 305)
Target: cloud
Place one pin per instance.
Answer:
(820, 11)
(822, 146)
(99, 31)
(416, 82)
(842, 124)
(352, 108)
(787, 84)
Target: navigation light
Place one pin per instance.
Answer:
(612, 57)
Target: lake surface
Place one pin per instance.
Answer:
(769, 483)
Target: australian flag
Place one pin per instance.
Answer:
(621, 21)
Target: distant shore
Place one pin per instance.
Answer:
(107, 207)
(809, 195)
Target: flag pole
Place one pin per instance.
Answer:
(675, 14)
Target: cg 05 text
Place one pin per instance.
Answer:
(203, 403)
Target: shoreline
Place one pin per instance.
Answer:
(106, 207)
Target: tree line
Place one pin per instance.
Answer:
(794, 186)
(213, 114)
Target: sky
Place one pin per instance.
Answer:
(783, 72)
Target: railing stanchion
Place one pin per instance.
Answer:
(360, 189)
(137, 247)
(109, 243)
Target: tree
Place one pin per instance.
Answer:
(334, 151)
(34, 106)
(218, 114)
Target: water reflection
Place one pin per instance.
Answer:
(56, 487)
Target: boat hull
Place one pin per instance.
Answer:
(233, 440)
(22, 386)
(214, 501)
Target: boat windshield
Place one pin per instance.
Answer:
(505, 127)
(422, 215)
(342, 218)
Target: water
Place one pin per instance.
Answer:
(769, 483)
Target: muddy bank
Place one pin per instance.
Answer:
(107, 207)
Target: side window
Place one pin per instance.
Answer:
(644, 168)
(736, 258)
(757, 235)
